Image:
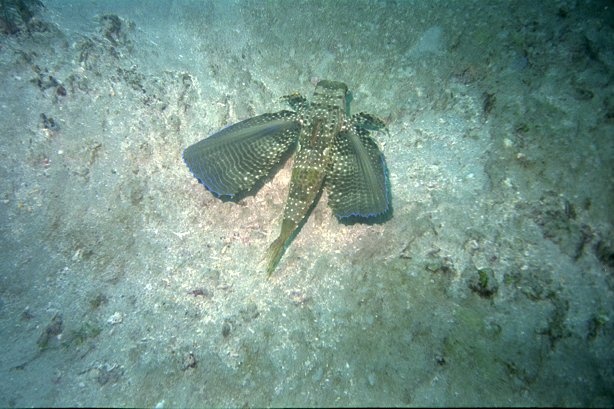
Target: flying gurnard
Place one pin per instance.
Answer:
(332, 150)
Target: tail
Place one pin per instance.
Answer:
(276, 249)
(274, 253)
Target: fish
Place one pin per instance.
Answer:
(332, 149)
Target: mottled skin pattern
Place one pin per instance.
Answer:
(333, 151)
(320, 123)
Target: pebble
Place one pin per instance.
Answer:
(116, 318)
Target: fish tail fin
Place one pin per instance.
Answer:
(276, 249)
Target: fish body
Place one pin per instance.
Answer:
(332, 151)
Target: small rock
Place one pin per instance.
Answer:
(484, 283)
(226, 329)
(54, 329)
(189, 361)
(116, 318)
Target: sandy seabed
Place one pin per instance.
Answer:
(124, 282)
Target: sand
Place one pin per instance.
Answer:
(124, 282)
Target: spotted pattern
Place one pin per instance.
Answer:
(237, 157)
(332, 150)
(356, 181)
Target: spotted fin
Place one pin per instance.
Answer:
(356, 182)
(234, 159)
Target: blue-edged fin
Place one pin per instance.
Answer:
(234, 159)
(356, 181)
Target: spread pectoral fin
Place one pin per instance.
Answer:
(356, 181)
(234, 159)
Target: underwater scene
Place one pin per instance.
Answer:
(306, 203)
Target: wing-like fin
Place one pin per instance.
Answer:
(234, 159)
(296, 101)
(368, 121)
(356, 182)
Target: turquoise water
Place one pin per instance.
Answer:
(124, 282)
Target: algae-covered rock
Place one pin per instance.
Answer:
(484, 283)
